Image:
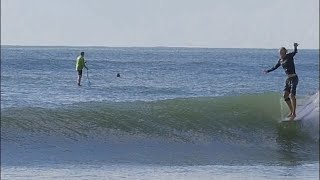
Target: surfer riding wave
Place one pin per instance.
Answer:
(287, 62)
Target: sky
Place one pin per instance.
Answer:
(152, 23)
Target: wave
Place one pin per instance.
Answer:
(200, 130)
(245, 118)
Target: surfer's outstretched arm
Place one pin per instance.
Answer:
(274, 67)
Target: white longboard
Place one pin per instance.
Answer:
(302, 113)
(288, 119)
(308, 108)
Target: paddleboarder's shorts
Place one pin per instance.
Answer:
(291, 85)
(79, 72)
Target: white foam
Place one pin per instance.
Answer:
(309, 115)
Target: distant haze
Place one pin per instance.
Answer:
(182, 23)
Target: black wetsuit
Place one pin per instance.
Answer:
(288, 65)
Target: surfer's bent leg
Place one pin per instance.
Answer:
(287, 91)
(294, 82)
(288, 101)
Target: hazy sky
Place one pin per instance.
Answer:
(187, 23)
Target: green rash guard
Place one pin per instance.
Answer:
(80, 63)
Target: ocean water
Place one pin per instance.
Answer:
(175, 113)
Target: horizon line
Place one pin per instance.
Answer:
(103, 46)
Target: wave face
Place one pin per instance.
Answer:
(247, 121)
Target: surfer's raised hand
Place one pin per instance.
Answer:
(295, 45)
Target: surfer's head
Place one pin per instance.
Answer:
(282, 52)
(82, 53)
